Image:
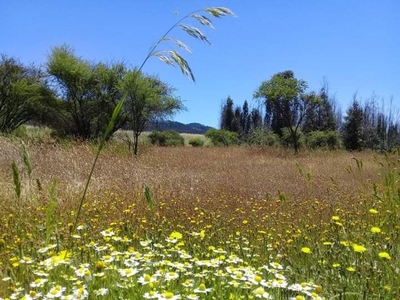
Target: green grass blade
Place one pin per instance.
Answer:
(109, 128)
(148, 197)
(17, 180)
(50, 209)
(26, 159)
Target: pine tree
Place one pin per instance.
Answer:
(352, 128)
(244, 119)
(227, 115)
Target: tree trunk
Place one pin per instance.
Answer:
(135, 144)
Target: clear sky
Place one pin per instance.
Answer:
(354, 44)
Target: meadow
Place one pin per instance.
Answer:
(197, 223)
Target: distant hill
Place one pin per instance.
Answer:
(177, 126)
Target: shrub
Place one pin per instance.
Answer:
(166, 138)
(196, 142)
(262, 137)
(287, 138)
(323, 139)
(20, 131)
(222, 137)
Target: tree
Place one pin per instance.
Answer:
(352, 127)
(147, 98)
(244, 119)
(236, 120)
(89, 93)
(255, 119)
(286, 103)
(227, 115)
(23, 92)
(320, 117)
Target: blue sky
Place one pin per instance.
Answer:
(353, 44)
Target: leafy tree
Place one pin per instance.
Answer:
(286, 103)
(23, 93)
(352, 127)
(89, 93)
(147, 98)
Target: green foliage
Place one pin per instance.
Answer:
(148, 197)
(227, 115)
(20, 132)
(352, 127)
(286, 104)
(148, 99)
(329, 140)
(290, 137)
(16, 179)
(222, 137)
(166, 138)
(23, 92)
(320, 117)
(27, 160)
(262, 137)
(51, 212)
(196, 142)
(89, 93)
(103, 140)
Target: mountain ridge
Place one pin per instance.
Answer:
(193, 128)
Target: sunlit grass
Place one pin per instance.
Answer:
(218, 230)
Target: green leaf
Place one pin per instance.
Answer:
(148, 197)
(17, 180)
(26, 159)
(50, 210)
(110, 125)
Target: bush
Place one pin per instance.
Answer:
(287, 139)
(20, 131)
(196, 142)
(261, 137)
(323, 139)
(222, 137)
(166, 138)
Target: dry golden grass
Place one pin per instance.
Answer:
(268, 200)
(188, 174)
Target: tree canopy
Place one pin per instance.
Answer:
(23, 90)
(286, 103)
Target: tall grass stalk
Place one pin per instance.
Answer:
(171, 58)
(50, 210)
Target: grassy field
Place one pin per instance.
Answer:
(221, 223)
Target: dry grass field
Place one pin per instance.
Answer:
(221, 192)
(193, 174)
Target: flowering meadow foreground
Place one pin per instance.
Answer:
(221, 223)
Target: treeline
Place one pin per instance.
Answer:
(76, 97)
(292, 117)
